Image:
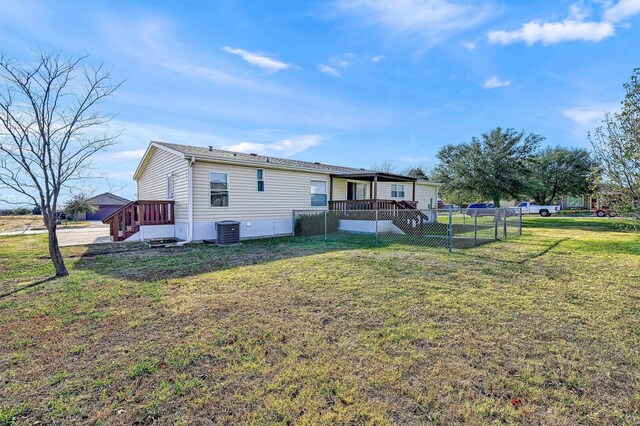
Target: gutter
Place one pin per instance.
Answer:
(189, 239)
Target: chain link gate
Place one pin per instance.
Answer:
(420, 227)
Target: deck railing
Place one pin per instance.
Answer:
(371, 204)
(126, 221)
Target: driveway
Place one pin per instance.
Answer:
(97, 233)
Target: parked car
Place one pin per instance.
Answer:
(533, 208)
(480, 209)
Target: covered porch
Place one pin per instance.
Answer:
(371, 191)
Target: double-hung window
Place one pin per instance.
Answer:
(397, 191)
(260, 180)
(318, 193)
(219, 185)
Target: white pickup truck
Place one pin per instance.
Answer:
(533, 208)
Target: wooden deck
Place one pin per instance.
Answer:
(127, 221)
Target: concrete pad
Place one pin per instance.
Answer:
(97, 233)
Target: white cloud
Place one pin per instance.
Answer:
(342, 61)
(469, 45)
(495, 82)
(328, 70)
(377, 58)
(414, 159)
(282, 148)
(258, 59)
(431, 20)
(554, 32)
(575, 28)
(622, 10)
(588, 116)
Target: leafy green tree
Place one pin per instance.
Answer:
(79, 204)
(616, 145)
(417, 172)
(561, 171)
(495, 166)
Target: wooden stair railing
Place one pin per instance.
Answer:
(127, 220)
(409, 219)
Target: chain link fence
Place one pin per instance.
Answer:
(428, 227)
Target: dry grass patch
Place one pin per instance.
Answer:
(297, 331)
(22, 223)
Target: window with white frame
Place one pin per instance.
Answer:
(219, 185)
(318, 193)
(397, 191)
(170, 187)
(260, 180)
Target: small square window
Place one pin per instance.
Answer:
(397, 191)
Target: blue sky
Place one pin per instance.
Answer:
(350, 82)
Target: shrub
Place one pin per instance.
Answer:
(313, 223)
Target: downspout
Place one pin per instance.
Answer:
(189, 203)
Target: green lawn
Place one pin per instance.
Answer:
(298, 331)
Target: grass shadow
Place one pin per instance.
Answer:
(25, 287)
(139, 263)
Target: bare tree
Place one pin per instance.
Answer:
(50, 128)
(387, 166)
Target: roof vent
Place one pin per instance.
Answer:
(253, 154)
(362, 168)
(210, 147)
(235, 154)
(268, 160)
(316, 162)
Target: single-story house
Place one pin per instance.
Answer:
(107, 203)
(184, 190)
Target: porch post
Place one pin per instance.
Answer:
(375, 191)
(330, 187)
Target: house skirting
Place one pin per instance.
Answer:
(254, 229)
(368, 226)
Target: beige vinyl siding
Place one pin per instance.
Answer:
(284, 191)
(340, 188)
(152, 183)
(384, 191)
(425, 194)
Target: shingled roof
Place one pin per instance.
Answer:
(204, 153)
(219, 154)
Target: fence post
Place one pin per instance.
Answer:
(496, 218)
(475, 230)
(520, 222)
(293, 222)
(325, 225)
(450, 230)
(505, 223)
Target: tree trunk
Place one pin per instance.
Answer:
(54, 249)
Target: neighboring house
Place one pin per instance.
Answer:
(107, 203)
(184, 190)
(569, 202)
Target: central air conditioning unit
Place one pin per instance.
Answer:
(228, 233)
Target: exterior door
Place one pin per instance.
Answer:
(356, 191)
